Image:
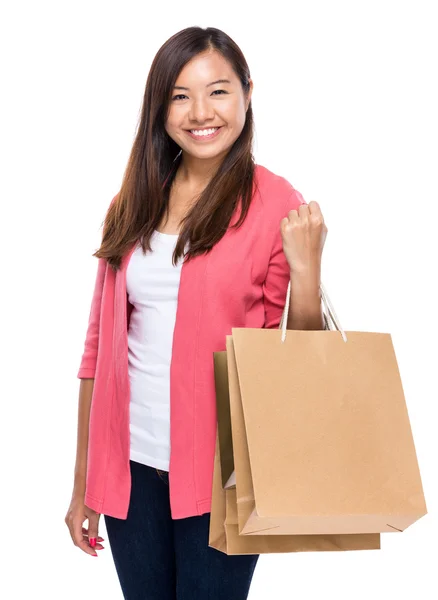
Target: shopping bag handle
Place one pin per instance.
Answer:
(329, 314)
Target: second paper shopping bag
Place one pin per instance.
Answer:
(224, 529)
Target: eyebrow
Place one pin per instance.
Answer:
(180, 87)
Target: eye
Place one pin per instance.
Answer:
(184, 96)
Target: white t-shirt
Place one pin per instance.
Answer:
(152, 284)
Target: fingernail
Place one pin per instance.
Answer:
(92, 542)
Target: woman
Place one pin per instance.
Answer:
(147, 420)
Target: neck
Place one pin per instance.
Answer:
(197, 172)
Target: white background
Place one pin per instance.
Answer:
(345, 106)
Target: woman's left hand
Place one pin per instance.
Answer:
(303, 233)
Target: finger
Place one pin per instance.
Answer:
(85, 531)
(314, 206)
(303, 212)
(98, 546)
(293, 215)
(315, 212)
(79, 540)
(85, 547)
(93, 529)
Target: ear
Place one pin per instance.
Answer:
(248, 98)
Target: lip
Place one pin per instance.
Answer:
(203, 138)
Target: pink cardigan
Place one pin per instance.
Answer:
(242, 282)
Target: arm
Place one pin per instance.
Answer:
(85, 396)
(278, 273)
(305, 308)
(77, 510)
(86, 373)
(275, 285)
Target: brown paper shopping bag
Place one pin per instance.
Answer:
(224, 530)
(342, 461)
(327, 429)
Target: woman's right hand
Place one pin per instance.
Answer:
(76, 515)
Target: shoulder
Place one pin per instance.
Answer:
(275, 192)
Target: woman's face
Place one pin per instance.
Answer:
(199, 102)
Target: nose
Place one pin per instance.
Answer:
(201, 110)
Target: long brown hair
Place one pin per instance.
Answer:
(142, 201)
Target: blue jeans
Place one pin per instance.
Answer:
(160, 558)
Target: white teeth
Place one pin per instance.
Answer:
(204, 131)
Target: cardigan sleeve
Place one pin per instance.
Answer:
(278, 273)
(87, 366)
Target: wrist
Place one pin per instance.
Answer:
(308, 279)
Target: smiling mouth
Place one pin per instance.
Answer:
(212, 132)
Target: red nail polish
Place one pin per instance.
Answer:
(92, 542)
